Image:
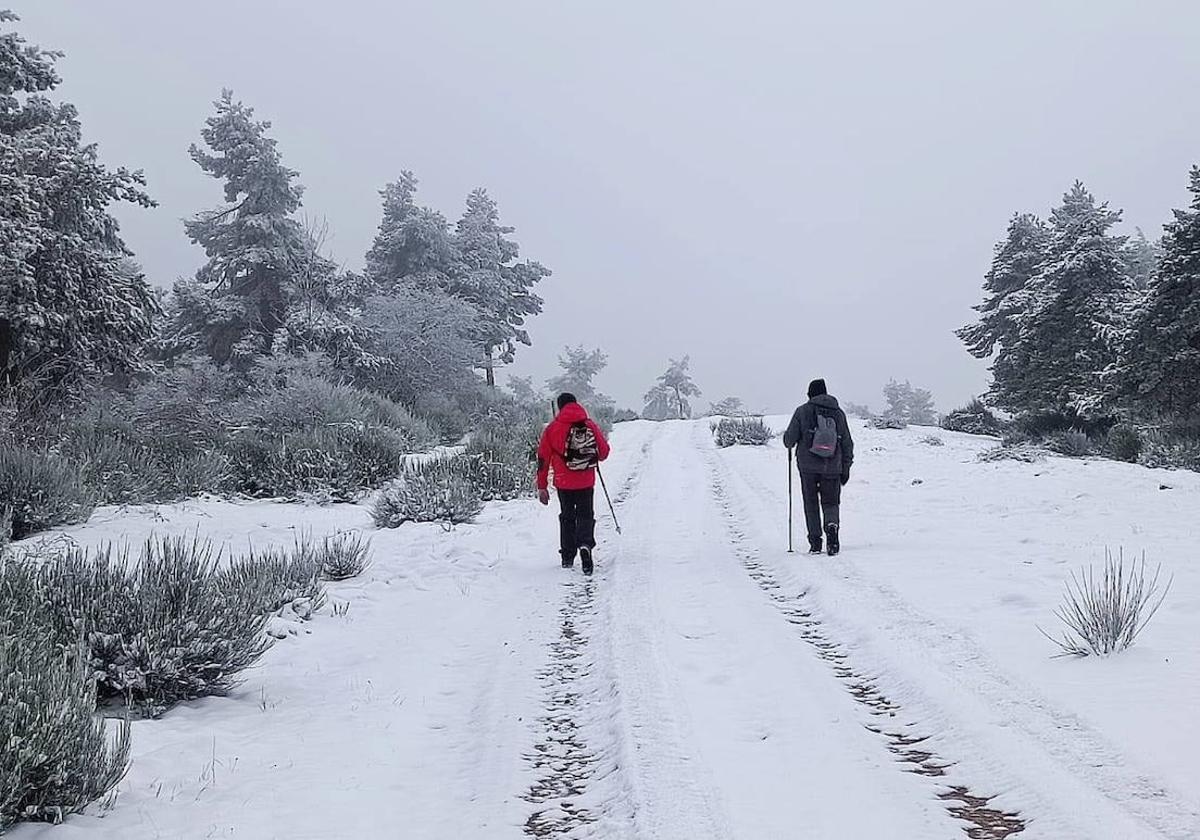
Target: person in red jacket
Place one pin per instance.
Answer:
(572, 446)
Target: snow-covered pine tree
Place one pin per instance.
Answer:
(525, 392)
(1015, 261)
(580, 367)
(909, 404)
(73, 305)
(414, 244)
(921, 410)
(1161, 364)
(678, 382)
(1073, 316)
(660, 404)
(256, 247)
(490, 278)
(897, 395)
(1141, 258)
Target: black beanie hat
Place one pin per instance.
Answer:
(565, 400)
(816, 388)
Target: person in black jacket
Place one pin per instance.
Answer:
(821, 476)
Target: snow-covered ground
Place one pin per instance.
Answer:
(705, 684)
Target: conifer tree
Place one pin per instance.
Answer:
(490, 278)
(1071, 327)
(1161, 365)
(256, 247)
(1016, 260)
(414, 244)
(74, 306)
(673, 387)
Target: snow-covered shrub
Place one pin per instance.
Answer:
(862, 412)
(625, 415)
(1024, 453)
(1123, 443)
(1072, 443)
(742, 431)
(449, 421)
(269, 579)
(337, 464)
(1170, 452)
(41, 491)
(932, 440)
(728, 407)
(1105, 614)
(974, 418)
(343, 556)
(56, 754)
(165, 626)
(435, 491)
(284, 401)
(500, 459)
(887, 423)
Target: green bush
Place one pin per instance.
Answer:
(974, 418)
(56, 754)
(438, 490)
(41, 491)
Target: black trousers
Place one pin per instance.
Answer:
(822, 495)
(577, 521)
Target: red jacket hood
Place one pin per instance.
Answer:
(571, 413)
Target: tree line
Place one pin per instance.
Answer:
(1086, 327)
(436, 303)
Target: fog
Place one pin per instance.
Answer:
(780, 190)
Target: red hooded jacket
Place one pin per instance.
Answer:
(552, 451)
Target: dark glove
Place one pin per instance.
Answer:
(845, 479)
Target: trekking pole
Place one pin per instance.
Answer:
(789, 466)
(611, 509)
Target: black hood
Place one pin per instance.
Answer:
(825, 400)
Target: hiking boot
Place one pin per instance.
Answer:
(568, 562)
(586, 555)
(816, 547)
(831, 538)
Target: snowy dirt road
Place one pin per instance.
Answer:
(704, 684)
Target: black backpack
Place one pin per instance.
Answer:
(582, 451)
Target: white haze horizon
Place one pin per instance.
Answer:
(782, 192)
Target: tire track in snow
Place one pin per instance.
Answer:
(902, 738)
(1067, 740)
(577, 686)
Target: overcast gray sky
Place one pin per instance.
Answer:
(781, 189)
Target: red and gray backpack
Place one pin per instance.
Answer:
(825, 436)
(582, 451)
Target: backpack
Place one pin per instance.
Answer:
(582, 452)
(825, 437)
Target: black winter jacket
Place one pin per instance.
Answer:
(800, 434)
